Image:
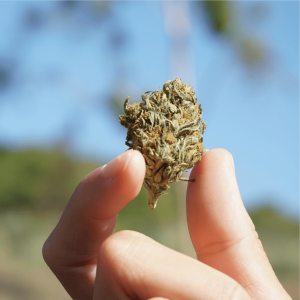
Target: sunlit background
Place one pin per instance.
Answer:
(65, 70)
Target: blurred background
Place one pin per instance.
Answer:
(65, 70)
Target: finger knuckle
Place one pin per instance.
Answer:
(50, 252)
(77, 193)
(46, 252)
(120, 243)
(238, 293)
(230, 290)
(122, 252)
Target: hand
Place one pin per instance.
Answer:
(93, 264)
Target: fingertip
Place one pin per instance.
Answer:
(137, 167)
(131, 179)
(118, 191)
(110, 188)
(213, 162)
(218, 155)
(123, 163)
(221, 158)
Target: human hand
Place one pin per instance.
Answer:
(93, 264)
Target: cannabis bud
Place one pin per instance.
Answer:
(166, 127)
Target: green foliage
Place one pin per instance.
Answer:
(218, 14)
(38, 180)
(280, 238)
(223, 18)
(252, 51)
(269, 219)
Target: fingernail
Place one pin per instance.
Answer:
(117, 165)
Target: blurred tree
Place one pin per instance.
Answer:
(38, 180)
(218, 14)
(269, 219)
(280, 238)
(223, 18)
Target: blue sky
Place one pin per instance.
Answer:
(67, 72)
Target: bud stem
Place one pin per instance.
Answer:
(187, 179)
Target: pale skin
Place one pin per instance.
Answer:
(92, 263)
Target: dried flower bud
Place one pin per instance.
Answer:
(166, 127)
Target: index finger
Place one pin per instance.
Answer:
(89, 218)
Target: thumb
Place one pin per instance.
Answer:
(221, 230)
